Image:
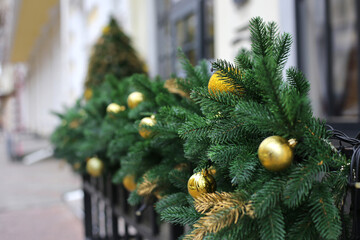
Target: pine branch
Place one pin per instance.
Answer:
(272, 226)
(146, 187)
(268, 197)
(324, 213)
(297, 79)
(180, 215)
(178, 199)
(301, 180)
(282, 49)
(223, 214)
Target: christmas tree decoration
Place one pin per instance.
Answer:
(113, 54)
(94, 166)
(135, 99)
(88, 94)
(276, 153)
(129, 183)
(115, 108)
(146, 121)
(219, 84)
(106, 30)
(201, 182)
(173, 87)
(147, 187)
(74, 123)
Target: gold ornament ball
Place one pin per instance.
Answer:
(201, 182)
(88, 94)
(94, 166)
(276, 153)
(146, 121)
(129, 183)
(106, 30)
(135, 99)
(219, 84)
(115, 108)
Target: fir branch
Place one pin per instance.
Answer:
(297, 79)
(301, 180)
(197, 77)
(178, 199)
(215, 102)
(324, 213)
(146, 187)
(230, 75)
(244, 60)
(268, 196)
(223, 214)
(282, 49)
(180, 215)
(272, 226)
(303, 228)
(206, 201)
(258, 38)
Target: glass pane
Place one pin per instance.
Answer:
(190, 28)
(337, 102)
(191, 56)
(185, 30)
(345, 83)
(180, 32)
(209, 18)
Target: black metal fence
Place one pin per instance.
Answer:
(109, 216)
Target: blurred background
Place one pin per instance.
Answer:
(45, 47)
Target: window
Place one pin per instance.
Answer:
(187, 24)
(327, 46)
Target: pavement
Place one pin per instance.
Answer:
(41, 201)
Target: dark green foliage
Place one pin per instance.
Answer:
(223, 131)
(301, 202)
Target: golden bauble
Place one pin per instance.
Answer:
(94, 166)
(106, 30)
(146, 121)
(129, 182)
(201, 182)
(217, 83)
(115, 108)
(134, 99)
(88, 94)
(276, 153)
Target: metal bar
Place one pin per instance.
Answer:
(299, 33)
(87, 210)
(329, 61)
(358, 56)
(114, 201)
(154, 222)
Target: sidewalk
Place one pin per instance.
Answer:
(31, 200)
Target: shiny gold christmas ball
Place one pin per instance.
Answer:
(106, 30)
(201, 182)
(134, 99)
(115, 108)
(146, 121)
(219, 84)
(276, 153)
(94, 166)
(88, 94)
(129, 183)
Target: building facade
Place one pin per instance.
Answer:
(57, 50)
